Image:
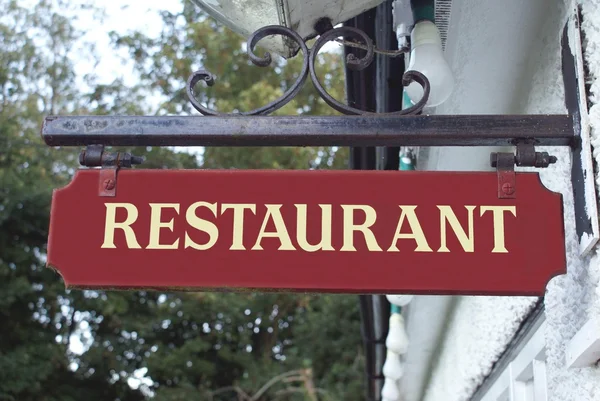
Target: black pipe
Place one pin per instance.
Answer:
(360, 89)
(367, 90)
(389, 72)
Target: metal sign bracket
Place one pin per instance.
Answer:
(505, 167)
(505, 162)
(107, 184)
(109, 163)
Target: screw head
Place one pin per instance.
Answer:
(109, 184)
(508, 188)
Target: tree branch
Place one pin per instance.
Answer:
(241, 393)
(271, 382)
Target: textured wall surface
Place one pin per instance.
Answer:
(480, 327)
(478, 332)
(572, 299)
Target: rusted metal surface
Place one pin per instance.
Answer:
(505, 165)
(107, 182)
(507, 182)
(111, 162)
(95, 156)
(423, 130)
(528, 157)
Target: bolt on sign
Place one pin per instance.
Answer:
(317, 231)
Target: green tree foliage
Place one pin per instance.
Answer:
(35, 313)
(219, 346)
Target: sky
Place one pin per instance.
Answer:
(122, 16)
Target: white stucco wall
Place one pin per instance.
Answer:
(574, 298)
(507, 58)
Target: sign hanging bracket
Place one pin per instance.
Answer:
(505, 162)
(110, 163)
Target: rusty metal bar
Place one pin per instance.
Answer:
(422, 130)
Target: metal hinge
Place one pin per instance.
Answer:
(505, 166)
(110, 163)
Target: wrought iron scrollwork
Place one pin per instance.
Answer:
(265, 61)
(360, 64)
(309, 57)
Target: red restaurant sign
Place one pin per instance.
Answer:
(317, 231)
